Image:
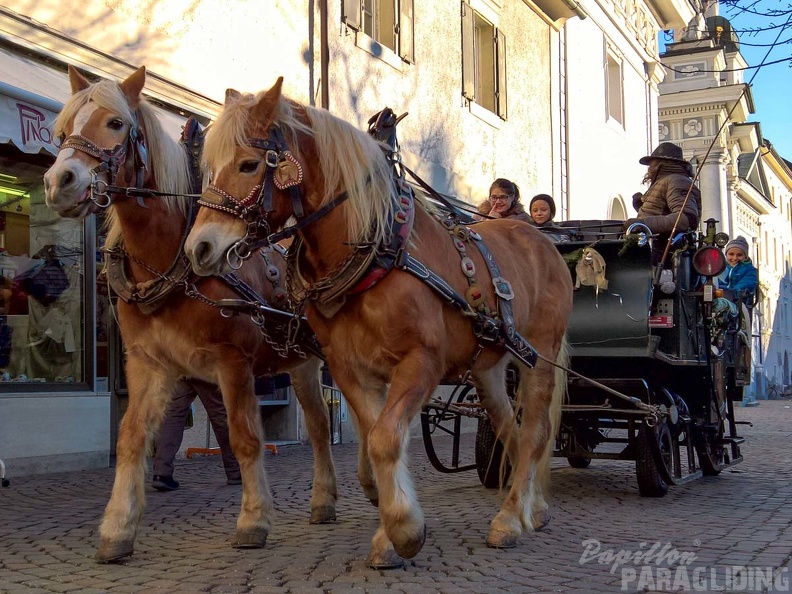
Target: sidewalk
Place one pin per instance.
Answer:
(49, 530)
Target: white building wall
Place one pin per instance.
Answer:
(604, 153)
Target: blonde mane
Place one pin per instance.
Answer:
(350, 160)
(167, 160)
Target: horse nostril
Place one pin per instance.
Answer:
(201, 253)
(66, 178)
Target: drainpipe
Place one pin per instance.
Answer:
(324, 54)
(575, 6)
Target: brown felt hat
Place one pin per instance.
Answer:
(667, 151)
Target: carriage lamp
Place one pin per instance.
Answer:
(721, 239)
(709, 261)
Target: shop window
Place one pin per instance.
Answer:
(614, 87)
(483, 62)
(42, 297)
(388, 22)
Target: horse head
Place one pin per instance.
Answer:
(254, 175)
(110, 136)
(272, 159)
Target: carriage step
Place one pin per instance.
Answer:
(736, 440)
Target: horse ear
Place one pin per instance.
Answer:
(266, 105)
(77, 81)
(231, 96)
(133, 86)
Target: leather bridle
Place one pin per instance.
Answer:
(110, 163)
(256, 206)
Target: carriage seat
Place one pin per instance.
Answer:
(589, 230)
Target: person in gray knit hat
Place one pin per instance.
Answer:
(671, 200)
(740, 274)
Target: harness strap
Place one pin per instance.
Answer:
(513, 342)
(276, 320)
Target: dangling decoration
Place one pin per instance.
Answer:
(289, 172)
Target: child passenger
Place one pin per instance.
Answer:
(542, 210)
(741, 277)
(740, 274)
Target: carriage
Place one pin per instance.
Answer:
(400, 297)
(655, 366)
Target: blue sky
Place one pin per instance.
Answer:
(772, 85)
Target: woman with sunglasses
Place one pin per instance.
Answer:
(504, 202)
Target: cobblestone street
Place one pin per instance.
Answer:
(49, 530)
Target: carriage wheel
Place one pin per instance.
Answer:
(711, 452)
(490, 456)
(578, 462)
(650, 481)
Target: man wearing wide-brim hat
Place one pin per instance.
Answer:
(671, 191)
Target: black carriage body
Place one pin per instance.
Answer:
(652, 346)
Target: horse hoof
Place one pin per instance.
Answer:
(324, 514)
(411, 548)
(254, 538)
(540, 519)
(386, 560)
(501, 540)
(114, 550)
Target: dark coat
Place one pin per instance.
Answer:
(661, 203)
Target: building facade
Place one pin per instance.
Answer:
(548, 93)
(608, 71)
(705, 105)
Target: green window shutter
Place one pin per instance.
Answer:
(468, 54)
(500, 52)
(406, 29)
(352, 13)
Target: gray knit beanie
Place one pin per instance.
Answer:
(738, 242)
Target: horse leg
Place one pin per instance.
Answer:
(539, 396)
(491, 389)
(247, 441)
(305, 380)
(402, 520)
(150, 391)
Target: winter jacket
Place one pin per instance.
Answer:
(661, 203)
(515, 212)
(743, 276)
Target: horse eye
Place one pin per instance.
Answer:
(248, 166)
(115, 124)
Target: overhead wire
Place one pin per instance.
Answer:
(726, 120)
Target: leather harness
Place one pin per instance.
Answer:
(367, 264)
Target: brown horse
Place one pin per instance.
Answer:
(181, 336)
(389, 343)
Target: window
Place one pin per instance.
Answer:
(388, 22)
(42, 286)
(614, 91)
(483, 62)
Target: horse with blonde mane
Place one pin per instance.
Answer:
(364, 268)
(112, 137)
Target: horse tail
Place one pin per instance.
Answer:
(556, 404)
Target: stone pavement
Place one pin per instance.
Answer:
(48, 530)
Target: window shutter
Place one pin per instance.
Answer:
(406, 28)
(352, 10)
(500, 52)
(468, 55)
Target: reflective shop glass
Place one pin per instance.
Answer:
(42, 313)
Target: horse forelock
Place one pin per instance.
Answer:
(167, 160)
(227, 132)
